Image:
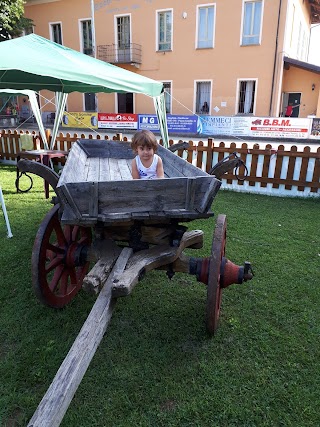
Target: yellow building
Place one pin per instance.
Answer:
(226, 58)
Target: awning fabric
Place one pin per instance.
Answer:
(60, 69)
(35, 108)
(35, 63)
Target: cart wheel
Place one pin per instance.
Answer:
(214, 290)
(59, 260)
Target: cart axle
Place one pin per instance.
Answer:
(230, 273)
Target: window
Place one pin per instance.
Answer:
(125, 102)
(86, 37)
(247, 91)
(56, 32)
(205, 26)
(167, 96)
(89, 102)
(164, 24)
(251, 30)
(123, 38)
(203, 95)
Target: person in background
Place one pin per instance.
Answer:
(289, 109)
(205, 108)
(147, 164)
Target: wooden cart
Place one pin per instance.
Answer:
(126, 228)
(100, 210)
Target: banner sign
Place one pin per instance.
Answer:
(175, 123)
(117, 121)
(315, 129)
(280, 127)
(233, 126)
(80, 120)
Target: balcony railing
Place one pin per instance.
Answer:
(128, 54)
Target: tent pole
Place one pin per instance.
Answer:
(5, 214)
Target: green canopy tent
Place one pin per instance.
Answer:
(35, 109)
(35, 63)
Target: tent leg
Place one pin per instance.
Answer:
(5, 214)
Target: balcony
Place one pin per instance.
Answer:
(128, 54)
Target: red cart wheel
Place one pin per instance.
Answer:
(59, 260)
(214, 290)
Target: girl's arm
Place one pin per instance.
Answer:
(134, 170)
(160, 172)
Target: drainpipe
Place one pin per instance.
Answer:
(93, 29)
(275, 58)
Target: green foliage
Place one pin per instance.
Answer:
(12, 21)
(156, 366)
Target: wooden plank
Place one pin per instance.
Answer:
(207, 199)
(253, 169)
(190, 194)
(141, 196)
(74, 167)
(199, 154)
(178, 165)
(146, 260)
(101, 148)
(129, 163)
(291, 168)
(93, 169)
(316, 173)
(104, 170)
(278, 168)
(56, 401)
(125, 171)
(115, 174)
(67, 199)
(304, 168)
(242, 170)
(265, 169)
(94, 200)
(98, 275)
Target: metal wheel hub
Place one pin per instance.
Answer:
(76, 254)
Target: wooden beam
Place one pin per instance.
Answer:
(146, 260)
(56, 401)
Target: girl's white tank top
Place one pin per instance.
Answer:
(147, 173)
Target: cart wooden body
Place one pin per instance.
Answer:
(96, 186)
(106, 231)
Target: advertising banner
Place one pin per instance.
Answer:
(175, 123)
(117, 121)
(281, 127)
(212, 125)
(80, 120)
(270, 127)
(315, 129)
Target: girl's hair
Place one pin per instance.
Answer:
(142, 138)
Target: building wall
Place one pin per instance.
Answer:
(297, 80)
(223, 65)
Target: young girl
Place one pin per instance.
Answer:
(147, 164)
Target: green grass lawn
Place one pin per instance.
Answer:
(156, 366)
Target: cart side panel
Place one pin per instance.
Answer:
(103, 149)
(93, 199)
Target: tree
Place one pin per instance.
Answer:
(12, 21)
